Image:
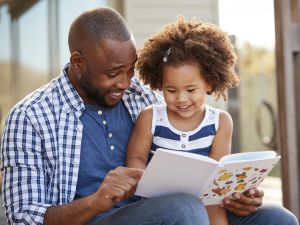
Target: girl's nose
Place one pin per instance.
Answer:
(181, 97)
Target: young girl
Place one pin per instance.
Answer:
(186, 60)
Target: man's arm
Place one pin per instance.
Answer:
(25, 179)
(118, 185)
(24, 190)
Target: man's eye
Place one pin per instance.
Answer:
(112, 74)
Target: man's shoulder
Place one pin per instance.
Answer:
(138, 96)
(141, 91)
(39, 100)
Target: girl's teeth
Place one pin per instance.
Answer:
(184, 107)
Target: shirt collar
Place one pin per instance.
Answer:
(135, 87)
(72, 100)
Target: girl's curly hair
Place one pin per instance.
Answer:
(190, 42)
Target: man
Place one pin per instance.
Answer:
(63, 147)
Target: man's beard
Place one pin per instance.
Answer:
(92, 92)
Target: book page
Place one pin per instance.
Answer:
(173, 172)
(237, 177)
(248, 156)
(190, 155)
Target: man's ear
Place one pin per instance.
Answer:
(77, 61)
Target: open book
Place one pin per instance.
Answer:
(174, 171)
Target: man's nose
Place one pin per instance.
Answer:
(124, 81)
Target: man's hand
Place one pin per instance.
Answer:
(118, 185)
(244, 204)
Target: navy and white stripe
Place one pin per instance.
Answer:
(41, 144)
(197, 141)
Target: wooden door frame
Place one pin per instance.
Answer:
(287, 34)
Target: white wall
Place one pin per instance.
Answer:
(145, 16)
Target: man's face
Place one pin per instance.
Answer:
(108, 73)
(94, 93)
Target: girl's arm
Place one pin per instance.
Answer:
(222, 142)
(139, 144)
(221, 146)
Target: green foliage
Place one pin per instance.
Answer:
(255, 60)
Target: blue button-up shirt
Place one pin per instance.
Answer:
(41, 142)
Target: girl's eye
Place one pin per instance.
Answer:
(191, 90)
(171, 91)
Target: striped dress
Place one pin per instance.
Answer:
(197, 141)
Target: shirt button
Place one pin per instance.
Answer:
(183, 146)
(74, 163)
(100, 112)
(104, 122)
(183, 135)
(112, 147)
(110, 135)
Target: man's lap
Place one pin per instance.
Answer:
(169, 209)
(176, 209)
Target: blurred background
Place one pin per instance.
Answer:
(33, 50)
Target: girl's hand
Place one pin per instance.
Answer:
(243, 204)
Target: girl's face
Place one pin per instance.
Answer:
(184, 89)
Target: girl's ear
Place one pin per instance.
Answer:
(208, 89)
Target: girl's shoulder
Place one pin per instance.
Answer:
(212, 114)
(154, 109)
(217, 112)
(218, 116)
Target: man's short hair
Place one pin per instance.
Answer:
(95, 25)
